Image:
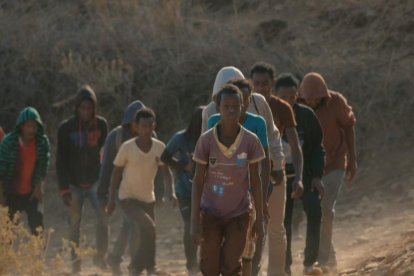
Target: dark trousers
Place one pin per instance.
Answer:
(23, 203)
(223, 244)
(312, 207)
(190, 248)
(141, 215)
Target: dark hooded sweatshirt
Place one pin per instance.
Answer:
(311, 138)
(10, 152)
(78, 147)
(117, 136)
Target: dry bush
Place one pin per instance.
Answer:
(166, 53)
(22, 253)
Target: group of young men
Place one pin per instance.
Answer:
(260, 144)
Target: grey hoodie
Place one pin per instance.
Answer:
(257, 106)
(110, 148)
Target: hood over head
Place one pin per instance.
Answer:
(85, 93)
(313, 86)
(130, 111)
(225, 75)
(27, 114)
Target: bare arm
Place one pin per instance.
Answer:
(256, 186)
(297, 160)
(351, 167)
(197, 191)
(168, 181)
(115, 182)
(265, 176)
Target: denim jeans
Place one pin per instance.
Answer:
(311, 205)
(190, 248)
(78, 197)
(141, 218)
(332, 182)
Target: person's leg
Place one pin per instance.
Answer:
(249, 248)
(276, 231)
(115, 257)
(235, 233)
(210, 249)
(15, 204)
(297, 218)
(190, 248)
(137, 215)
(332, 183)
(75, 215)
(288, 226)
(101, 227)
(34, 216)
(312, 208)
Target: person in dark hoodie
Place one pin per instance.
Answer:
(113, 142)
(80, 139)
(24, 160)
(310, 137)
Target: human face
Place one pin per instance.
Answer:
(246, 99)
(86, 110)
(230, 108)
(313, 102)
(145, 127)
(29, 130)
(287, 94)
(262, 84)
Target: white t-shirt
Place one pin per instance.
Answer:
(140, 169)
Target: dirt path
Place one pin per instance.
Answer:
(372, 213)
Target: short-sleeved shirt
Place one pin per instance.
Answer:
(181, 149)
(140, 169)
(254, 123)
(226, 186)
(282, 114)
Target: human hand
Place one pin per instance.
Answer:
(318, 185)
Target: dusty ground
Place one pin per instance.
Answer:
(373, 232)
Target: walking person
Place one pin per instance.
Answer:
(135, 167)
(79, 142)
(310, 137)
(337, 120)
(263, 78)
(115, 139)
(24, 160)
(178, 155)
(257, 125)
(227, 163)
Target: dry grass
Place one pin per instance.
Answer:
(167, 53)
(24, 254)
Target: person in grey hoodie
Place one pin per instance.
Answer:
(113, 142)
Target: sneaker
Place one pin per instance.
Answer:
(155, 271)
(99, 262)
(312, 270)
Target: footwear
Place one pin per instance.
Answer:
(312, 270)
(155, 271)
(99, 262)
(193, 271)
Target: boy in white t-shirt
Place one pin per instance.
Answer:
(136, 165)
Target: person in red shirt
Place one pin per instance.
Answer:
(24, 160)
(338, 125)
(1, 134)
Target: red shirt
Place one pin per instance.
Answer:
(1, 134)
(25, 168)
